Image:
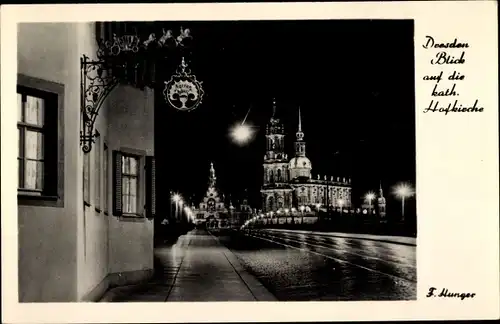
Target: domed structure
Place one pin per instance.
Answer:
(300, 165)
(288, 185)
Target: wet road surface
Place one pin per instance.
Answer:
(304, 266)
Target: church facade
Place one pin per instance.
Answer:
(212, 209)
(214, 212)
(288, 183)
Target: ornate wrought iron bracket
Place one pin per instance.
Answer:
(97, 81)
(117, 59)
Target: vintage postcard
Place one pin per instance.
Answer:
(250, 162)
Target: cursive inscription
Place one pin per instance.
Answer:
(445, 293)
(446, 82)
(431, 43)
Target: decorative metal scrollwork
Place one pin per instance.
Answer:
(183, 91)
(117, 59)
(96, 83)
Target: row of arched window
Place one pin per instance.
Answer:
(276, 176)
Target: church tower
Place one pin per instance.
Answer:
(212, 179)
(300, 145)
(381, 202)
(300, 165)
(274, 193)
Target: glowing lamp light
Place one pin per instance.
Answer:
(176, 198)
(302, 208)
(340, 202)
(241, 134)
(370, 196)
(403, 190)
(318, 205)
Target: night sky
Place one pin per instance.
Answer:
(354, 82)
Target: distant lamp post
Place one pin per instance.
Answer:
(369, 197)
(302, 208)
(403, 191)
(340, 202)
(189, 214)
(177, 199)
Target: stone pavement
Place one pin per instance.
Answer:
(196, 268)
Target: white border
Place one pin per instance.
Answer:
(457, 169)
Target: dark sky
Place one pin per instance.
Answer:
(354, 82)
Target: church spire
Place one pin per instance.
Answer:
(380, 191)
(300, 145)
(300, 121)
(300, 134)
(212, 178)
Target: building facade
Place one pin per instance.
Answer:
(83, 222)
(288, 183)
(212, 210)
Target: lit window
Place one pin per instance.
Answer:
(40, 124)
(31, 138)
(130, 177)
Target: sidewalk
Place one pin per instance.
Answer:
(381, 238)
(197, 268)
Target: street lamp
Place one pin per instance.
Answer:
(242, 133)
(402, 191)
(302, 211)
(369, 197)
(340, 202)
(187, 211)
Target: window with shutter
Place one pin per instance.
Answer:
(128, 186)
(97, 168)
(117, 184)
(150, 187)
(105, 179)
(86, 179)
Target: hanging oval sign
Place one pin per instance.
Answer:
(183, 91)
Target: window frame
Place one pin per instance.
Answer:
(98, 172)
(52, 194)
(86, 183)
(139, 185)
(105, 176)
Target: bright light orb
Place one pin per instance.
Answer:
(176, 198)
(403, 190)
(241, 134)
(370, 196)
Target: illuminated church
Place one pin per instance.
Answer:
(288, 183)
(213, 212)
